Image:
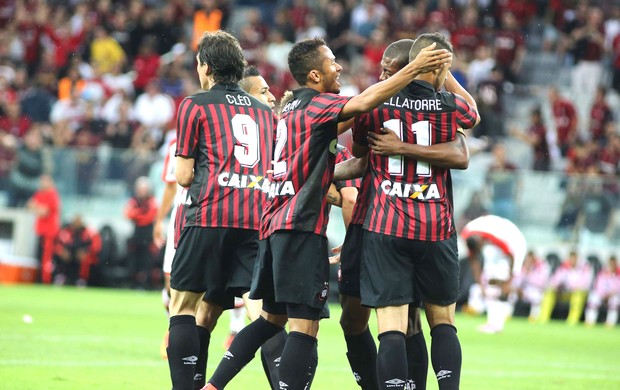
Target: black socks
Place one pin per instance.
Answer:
(297, 366)
(270, 353)
(362, 355)
(242, 350)
(183, 350)
(446, 356)
(392, 361)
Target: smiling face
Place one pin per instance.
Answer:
(260, 90)
(330, 71)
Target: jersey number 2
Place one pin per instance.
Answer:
(422, 135)
(279, 167)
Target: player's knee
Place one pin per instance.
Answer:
(353, 322)
(207, 315)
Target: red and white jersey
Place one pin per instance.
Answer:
(536, 275)
(576, 278)
(607, 282)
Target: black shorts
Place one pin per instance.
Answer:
(292, 267)
(350, 260)
(395, 269)
(216, 261)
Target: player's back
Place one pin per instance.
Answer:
(304, 158)
(412, 199)
(230, 135)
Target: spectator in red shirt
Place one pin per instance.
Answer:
(13, 122)
(588, 47)
(600, 115)
(468, 36)
(146, 65)
(298, 13)
(141, 210)
(565, 118)
(509, 47)
(45, 203)
(30, 31)
(536, 137)
(65, 43)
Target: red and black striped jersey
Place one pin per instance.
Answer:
(342, 155)
(230, 135)
(408, 198)
(304, 156)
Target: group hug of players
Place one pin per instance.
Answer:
(256, 210)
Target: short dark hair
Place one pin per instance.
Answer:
(250, 71)
(427, 39)
(399, 51)
(304, 57)
(224, 56)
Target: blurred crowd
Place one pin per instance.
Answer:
(108, 75)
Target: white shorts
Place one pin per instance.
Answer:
(169, 249)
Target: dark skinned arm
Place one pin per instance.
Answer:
(451, 155)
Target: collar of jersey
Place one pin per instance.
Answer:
(226, 87)
(421, 84)
(305, 92)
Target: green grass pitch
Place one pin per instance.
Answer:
(109, 339)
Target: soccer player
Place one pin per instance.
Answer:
(254, 84)
(361, 349)
(409, 239)
(291, 274)
(224, 142)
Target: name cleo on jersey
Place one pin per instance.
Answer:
(238, 100)
(415, 104)
(412, 191)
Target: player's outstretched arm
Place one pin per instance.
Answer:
(373, 96)
(451, 155)
(350, 169)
